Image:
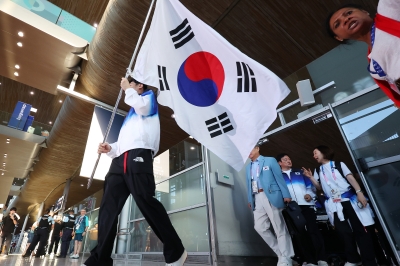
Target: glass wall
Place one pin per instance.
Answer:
(345, 66)
(371, 127)
(180, 187)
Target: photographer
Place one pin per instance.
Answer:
(9, 224)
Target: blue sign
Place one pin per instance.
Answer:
(20, 115)
(28, 122)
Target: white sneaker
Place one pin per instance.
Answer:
(76, 256)
(353, 264)
(322, 263)
(310, 264)
(181, 260)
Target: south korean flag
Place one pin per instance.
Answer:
(220, 96)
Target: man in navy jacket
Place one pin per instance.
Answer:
(267, 193)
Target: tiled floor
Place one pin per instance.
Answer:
(17, 260)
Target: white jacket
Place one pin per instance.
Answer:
(141, 127)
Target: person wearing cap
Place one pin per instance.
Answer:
(41, 235)
(131, 172)
(267, 194)
(66, 232)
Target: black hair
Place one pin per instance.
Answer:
(328, 19)
(327, 152)
(47, 211)
(13, 209)
(280, 156)
(130, 79)
(71, 210)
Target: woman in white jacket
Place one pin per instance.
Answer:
(345, 205)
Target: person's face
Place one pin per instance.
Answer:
(318, 156)
(285, 162)
(83, 212)
(12, 212)
(137, 87)
(71, 213)
(96, 226)
(255, 152)
(350, 23)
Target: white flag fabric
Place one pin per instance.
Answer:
(220, 96)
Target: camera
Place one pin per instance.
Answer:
(360, 205)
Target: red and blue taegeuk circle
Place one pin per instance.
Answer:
(201, 79)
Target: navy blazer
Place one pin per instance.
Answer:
(271, 180)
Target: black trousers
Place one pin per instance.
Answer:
(309, 243)
(41, 237)
(55, 240)
(137, 180)
(357, 233)
(65, 241)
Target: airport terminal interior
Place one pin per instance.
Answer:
(61, 63)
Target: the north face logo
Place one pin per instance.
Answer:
(138, 159)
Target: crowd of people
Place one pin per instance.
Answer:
(272, 183)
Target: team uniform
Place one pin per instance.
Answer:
(384, 56)
(131, 172)
(342, 208)
(41, 236)
(67, 228)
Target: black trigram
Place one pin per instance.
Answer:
(181, 34)
(162, 77)
(246, 78)
(218, 125)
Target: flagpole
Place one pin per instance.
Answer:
(129, 70)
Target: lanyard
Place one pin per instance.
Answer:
(257, 170)
(333, 173)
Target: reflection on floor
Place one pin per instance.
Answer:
(17, 260)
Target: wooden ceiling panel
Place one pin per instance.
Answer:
(48, 105)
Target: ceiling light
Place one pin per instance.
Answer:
(60, 101)
(16, 74)
(50, 122)
(190, 137)
(32, 92)
(20, 34)
(81, 185)
(2, 173)
(33, 110)
(8, 139)
(19, 44)
(17, 66)
(95, 25)
(173, 115)
(7, 142)
(192, 148)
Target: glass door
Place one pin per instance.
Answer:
(371, 126)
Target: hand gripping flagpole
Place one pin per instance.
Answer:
(128, 72)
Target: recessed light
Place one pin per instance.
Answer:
(8, 139)
(32, 93)
(50, 122)
(19, 44)
(60, 101)
(16, 74)
(7, 142)
(192, 148)
(33, 110)
(81, 185)
(20, 34)
(190, 137)
(95, 25)
(17, 66)
(173, 115)
(2, 173)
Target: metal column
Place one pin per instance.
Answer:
(65, 195)
(21, 236)
(210, 209)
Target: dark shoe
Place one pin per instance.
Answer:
(27, 255)
(60, 257)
